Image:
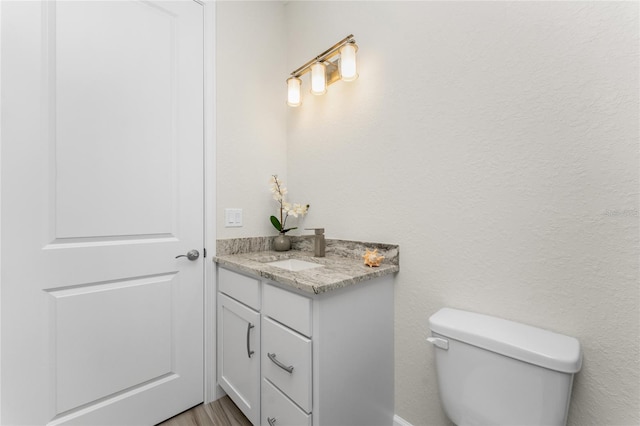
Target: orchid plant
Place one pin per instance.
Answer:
(286, 209)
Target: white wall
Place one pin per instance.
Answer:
(251, 111)
(497, 143)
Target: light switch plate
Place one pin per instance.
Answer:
(232, 218)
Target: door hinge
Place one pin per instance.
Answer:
(204, 252)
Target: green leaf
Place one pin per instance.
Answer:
(276, 223)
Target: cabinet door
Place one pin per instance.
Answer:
(239, 355)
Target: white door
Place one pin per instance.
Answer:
(102, 187)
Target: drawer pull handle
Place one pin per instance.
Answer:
(271, 420)
(249, 351)
(288, 369)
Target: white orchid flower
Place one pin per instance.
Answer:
(278, 191)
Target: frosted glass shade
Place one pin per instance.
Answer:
(318, 79)
(348, 70)
(293, 91)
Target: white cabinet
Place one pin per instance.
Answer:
(239, 351)
(323, 359)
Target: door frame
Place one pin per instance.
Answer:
(210, 391)
(1, 7)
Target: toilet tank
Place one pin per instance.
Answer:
(492, 371)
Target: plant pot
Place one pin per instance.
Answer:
(282, 243)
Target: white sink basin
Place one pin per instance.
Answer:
(294, 265)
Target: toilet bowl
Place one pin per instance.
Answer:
(492, 371)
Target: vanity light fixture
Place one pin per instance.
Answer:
(324, 70)
(293, 91)
(318, 78)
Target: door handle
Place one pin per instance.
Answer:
(249, 351)
(271, 420)
(191, 255)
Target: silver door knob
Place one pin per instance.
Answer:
(192, 255)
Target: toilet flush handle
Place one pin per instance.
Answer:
(439, 342)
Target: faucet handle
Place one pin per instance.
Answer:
(319, 231)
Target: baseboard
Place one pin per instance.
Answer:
(399, 421)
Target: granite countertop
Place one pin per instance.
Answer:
(342, 266)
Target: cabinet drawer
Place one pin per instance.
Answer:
(288, 308)
(291, 350)
(279, 409)
(240, 287)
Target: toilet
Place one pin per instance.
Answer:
(491, 371)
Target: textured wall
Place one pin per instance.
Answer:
(497, 143)
(251, 111)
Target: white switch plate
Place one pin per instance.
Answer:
(232, 218)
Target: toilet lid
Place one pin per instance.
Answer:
(520, 341)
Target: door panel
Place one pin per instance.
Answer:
(102, 186)
(124, 181)
(111, 337)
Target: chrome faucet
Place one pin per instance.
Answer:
(319, 243)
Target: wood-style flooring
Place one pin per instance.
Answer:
(222, 412)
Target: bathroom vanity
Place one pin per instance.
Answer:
(307, 341)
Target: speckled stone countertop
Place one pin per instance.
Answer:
(342, 266)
